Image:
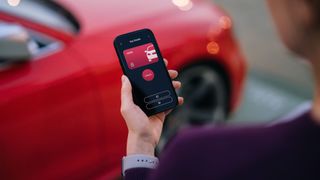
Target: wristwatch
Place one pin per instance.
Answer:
(138, 161)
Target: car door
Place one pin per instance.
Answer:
(48, 107)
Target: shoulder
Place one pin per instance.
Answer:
(244, 134)
(202, 151)
(206, 151)
(228, 137)
(216, 146)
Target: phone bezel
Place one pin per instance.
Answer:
(129, 40)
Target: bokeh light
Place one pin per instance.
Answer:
(225, 22)
(13, 2)
(213, 48)
(184, 5)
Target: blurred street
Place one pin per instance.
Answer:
(277, 81)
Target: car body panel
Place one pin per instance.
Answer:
(60, 35)
(37, 112)
(60, 114)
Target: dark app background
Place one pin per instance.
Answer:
(152, 96)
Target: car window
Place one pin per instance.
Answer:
(46, 12)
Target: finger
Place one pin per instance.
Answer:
(180, 100)
(176, 84)
(173, 74)
(168, 112)
(126, 93)
(165, 62)
(159, 116)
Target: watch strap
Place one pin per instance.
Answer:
(138, 161)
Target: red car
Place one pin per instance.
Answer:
(60, 79)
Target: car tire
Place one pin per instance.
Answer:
(206, 100)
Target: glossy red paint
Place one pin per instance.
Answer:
(62, 36)
(60, 114)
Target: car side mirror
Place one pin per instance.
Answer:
(16, 44)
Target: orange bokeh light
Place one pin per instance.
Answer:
(225, 22)
(213, 48)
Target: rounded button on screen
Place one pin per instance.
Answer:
(148, 75)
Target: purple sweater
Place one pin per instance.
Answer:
(288, 150)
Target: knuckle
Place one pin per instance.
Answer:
(125, 109)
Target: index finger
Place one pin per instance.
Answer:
(126, 92)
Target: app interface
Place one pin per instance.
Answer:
(151, 81)
(140, 56)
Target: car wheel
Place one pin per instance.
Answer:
(205, 94)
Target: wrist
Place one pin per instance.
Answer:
(137, 144)
(138, 161)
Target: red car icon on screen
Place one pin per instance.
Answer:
(151, 53)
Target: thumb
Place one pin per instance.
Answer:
(126, 93)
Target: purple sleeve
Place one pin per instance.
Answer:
(239, 153)
(169, 161)
(137, 174)
(205, 153)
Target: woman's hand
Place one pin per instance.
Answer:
(144, 132)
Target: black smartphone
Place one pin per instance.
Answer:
(143, 64)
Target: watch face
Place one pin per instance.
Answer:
(140, 56)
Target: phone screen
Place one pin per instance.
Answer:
(140, 56)
(142, 62)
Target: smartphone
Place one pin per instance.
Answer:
(143, 64)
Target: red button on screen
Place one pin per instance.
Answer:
(148, 75)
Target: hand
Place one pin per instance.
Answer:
(144, 132)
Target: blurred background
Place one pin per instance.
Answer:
(277, 81)
(50, 48)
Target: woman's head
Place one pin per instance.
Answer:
(298, 22)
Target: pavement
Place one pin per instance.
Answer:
(278, 81)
